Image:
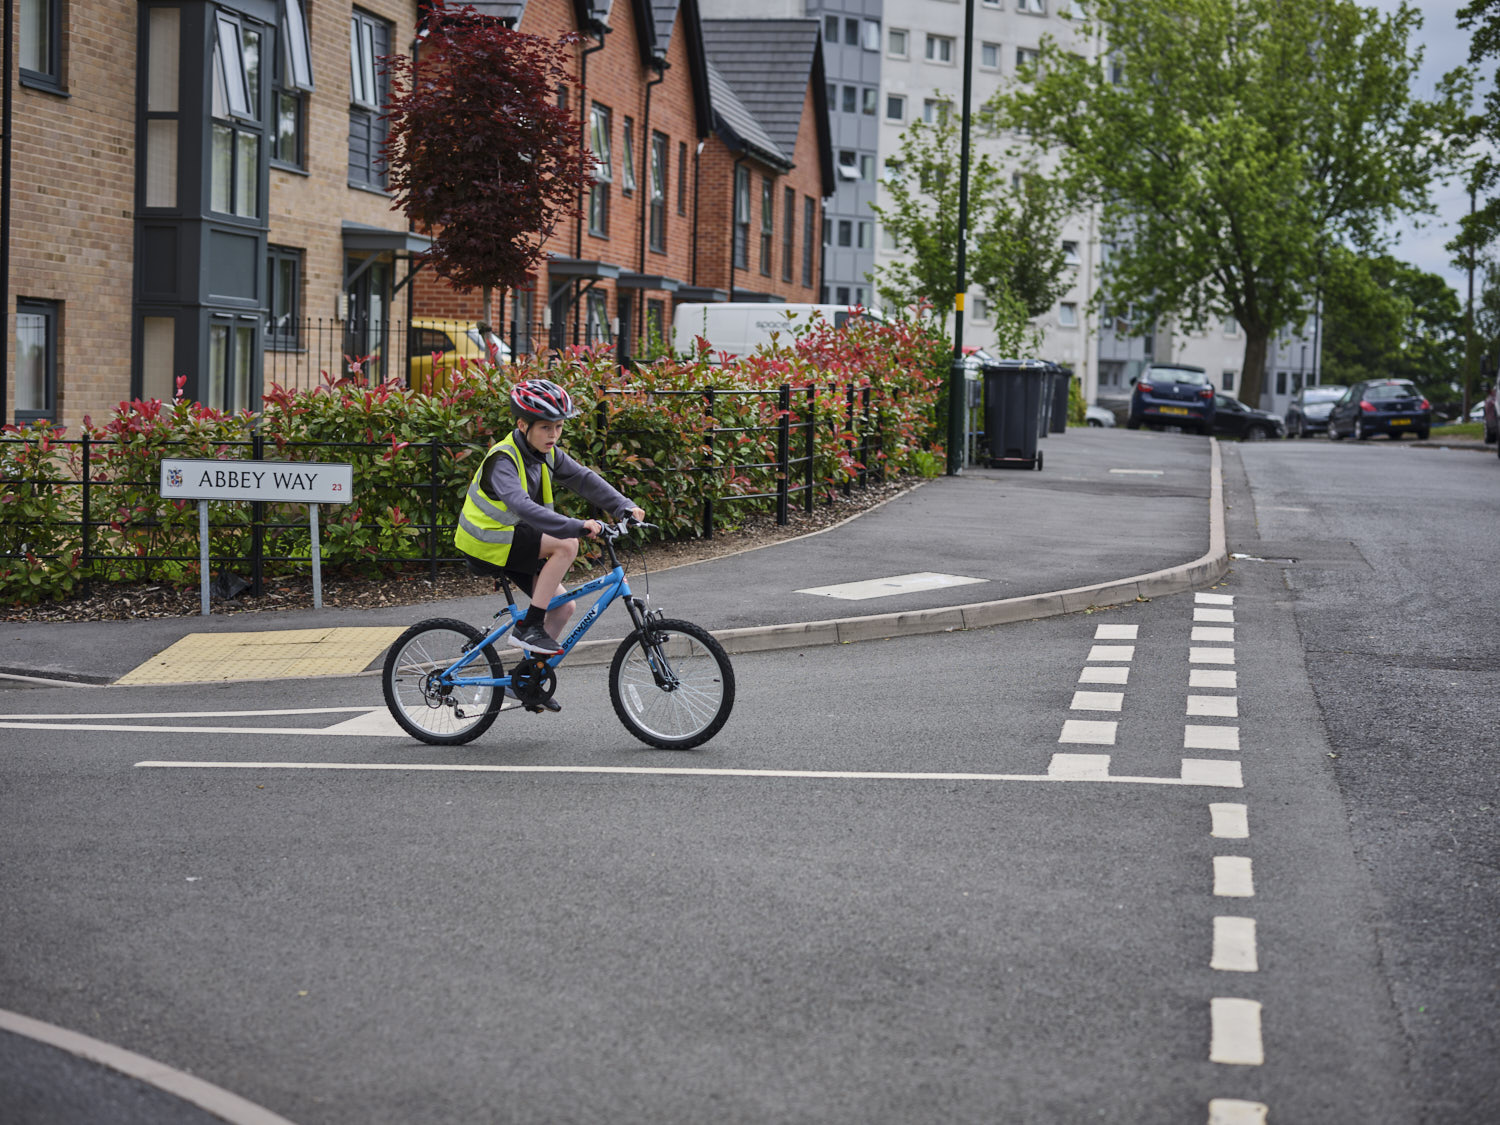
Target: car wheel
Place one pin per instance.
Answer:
(1422, 435)
(1096, 424)
(1255, 433)
(1333, 433)
(1395, 435)
(1301, 428)
(1360, 432)
(1132, 423)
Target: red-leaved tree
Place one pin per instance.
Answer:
(479, 154)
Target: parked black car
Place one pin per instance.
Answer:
(1172, 395)
(1232, 418)
(1308, 412)
(1380, 406)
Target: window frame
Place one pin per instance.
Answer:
(365, 27)
(600, 125)
(767, 223)
(789, 232)
(50, 313)
(809, 233)
(1067, 314)
(944, 43)
(740, 250)
(905, 49)
(627, 158)
(49, 79)
(276, 338)
(993, 51)
(898, 100)
(657, 175)
(238, 118)
(682, 177)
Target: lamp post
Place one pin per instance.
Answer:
(957, 400)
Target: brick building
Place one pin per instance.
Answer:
(193, 189)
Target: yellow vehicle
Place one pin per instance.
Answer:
(450, 341)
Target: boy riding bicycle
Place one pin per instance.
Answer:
(508, 523)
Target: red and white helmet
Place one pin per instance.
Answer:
(541, 400)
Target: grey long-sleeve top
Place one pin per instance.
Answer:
(502, 483)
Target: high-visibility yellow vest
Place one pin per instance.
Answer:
(485, 526)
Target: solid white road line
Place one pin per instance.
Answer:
(1224, 633)
(1214, 599)
(1096, 732)
(1111, 652)
(1234, 945)
(1233, 1111)
(1106, 674)
(1213, 678)
(1214, 706)
(1233, 877)
(1236, 1032)
(72, 715)
(340, 729)
(1230, 822)
(1210, 656)
(1116, 632)
(1202, 613)
(1097, 700)
(1210, 738)
(1218, 774)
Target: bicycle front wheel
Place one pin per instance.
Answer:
(438, 713)
(672, 685)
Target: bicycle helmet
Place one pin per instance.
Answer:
(540, 400)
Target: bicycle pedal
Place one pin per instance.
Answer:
(545, 705)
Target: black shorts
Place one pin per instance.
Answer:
(523, 562)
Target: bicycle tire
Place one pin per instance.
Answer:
(694, 708)
(446, 718)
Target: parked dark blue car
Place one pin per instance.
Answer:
(1172, 394)
(1380, 406)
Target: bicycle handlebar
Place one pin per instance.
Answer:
(622, 527)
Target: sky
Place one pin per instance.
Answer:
(1446, 48)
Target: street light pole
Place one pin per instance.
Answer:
(957, 399)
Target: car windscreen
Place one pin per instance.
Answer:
(1385, 392)
(1323, 394)
(1177, 375)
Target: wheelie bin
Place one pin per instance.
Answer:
(1013, 413)
(1062, 382)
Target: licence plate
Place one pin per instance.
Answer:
(1401, 421)
(1175, 410)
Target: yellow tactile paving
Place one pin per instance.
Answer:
(284, 655)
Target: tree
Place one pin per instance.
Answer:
(1230, 144)
(1015, 256)
(1386, 319)
(1483, 227)
(479, 153)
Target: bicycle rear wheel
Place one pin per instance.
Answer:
(426, 708)
(672, 685)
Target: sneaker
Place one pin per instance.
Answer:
(534, 638)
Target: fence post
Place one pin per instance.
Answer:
(257, 523)
(879, 438)
(811, 422)
(432, 523)
(88, 580)
(708, 499)
(849, 429)
(783, 451)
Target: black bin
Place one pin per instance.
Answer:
(1062, 382)
(1013, 412)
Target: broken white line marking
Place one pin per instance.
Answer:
(1104, 675)
(1214, 599)
(1234, 946)
(1233, 1111)
(1099, 732)
(1111, 652)
(1098, 700)
(1210, 738)
(1218, 706)
(1210, 656)
(1213, 633)
(1233, 877)
(1236, 1032)
(1231, 822)
(1213, 677)
(1202, 614)
(1116, 632)
(1079, 767)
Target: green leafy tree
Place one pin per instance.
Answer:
(1015, 256)
(1230, 144)
(1483, 227)
(1386, 319)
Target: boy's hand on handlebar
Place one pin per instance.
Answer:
(591, 529)
(637, 514)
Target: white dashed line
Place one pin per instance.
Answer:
(1079, 767)
(1098, 700)
(1231, 822)
(1234, 945)
(1233, 877)
(1212, 771)
(1116, 632)
(1098, 732)
(1202, 614)
(1210, 655)
(1214, 599)
(1224, 633)
(1111, 652)
(1210, 738)
(1105, 675)
(1236, 1032)
(1233, 1111)
(1219, 706)
(1213, 678)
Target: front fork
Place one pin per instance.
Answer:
(646, 622)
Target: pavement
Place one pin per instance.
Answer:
(1113, 516)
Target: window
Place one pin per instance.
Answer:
(656, 331)
(657, 225)
(597, 328)
(742, 218)
(846, 233)
(1067, 314)
(1037, 7)
(523, 310)
(989, 56)
(869, 101)
(604, 172)
(981, 309)
(896, 45)
(369, 39)
(864, 232)
(872, 35)
(296, 56)
(843, 295)
(1231, 326)
(830, 29)
(234, 160)
(788, 233)
(827, 231)
(231, 353)
(851, 32)
(292, 78)
(682, 177)
(1229, 380)
(767, 223)
(934, 108)
(627, 159)
(41, 44)
(895, 107)
(851, 99)
(1281, 382)
(162, 65)
(991, 3)
(284, 271)
(36, 360)
(939, 49)
(867, 167)
(833, 96)
(1070, 252)
(887, 239)
(809, 219)
(1025, 56)
(848, 164)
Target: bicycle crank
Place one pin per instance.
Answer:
(533, 683)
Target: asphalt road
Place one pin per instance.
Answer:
(978, 940)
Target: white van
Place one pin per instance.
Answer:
(739, 327)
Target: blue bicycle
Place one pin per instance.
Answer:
(670, 681)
